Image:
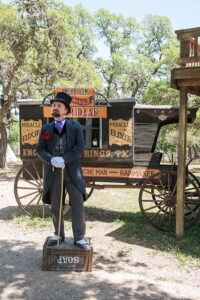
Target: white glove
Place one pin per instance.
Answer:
(58, 162)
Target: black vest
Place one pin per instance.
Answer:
(59, 142)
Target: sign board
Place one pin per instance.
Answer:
(136, 173)
(80, 112)
(30, 131)
(81, 97)
(120, 132)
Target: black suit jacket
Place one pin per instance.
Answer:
(75, 147)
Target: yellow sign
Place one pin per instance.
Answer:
(137, 173)
(80, 96)
(30, 131)
(80, 112)
(120, 132)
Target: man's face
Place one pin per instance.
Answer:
(59, 110)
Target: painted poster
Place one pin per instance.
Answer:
(120, 132)
(80, 96)
(30, 131)
(136, 173)
(81, 112)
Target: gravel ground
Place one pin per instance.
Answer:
(122, 269)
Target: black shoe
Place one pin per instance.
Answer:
(53, 241)
(83, 245)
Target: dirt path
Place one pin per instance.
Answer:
(123, 269)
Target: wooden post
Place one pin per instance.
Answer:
(181, 163)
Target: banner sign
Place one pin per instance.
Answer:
(30, 131)
(80, 96)
(137, 173)
(80, 112)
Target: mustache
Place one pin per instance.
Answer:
(55, 113)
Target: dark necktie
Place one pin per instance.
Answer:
(59, 126)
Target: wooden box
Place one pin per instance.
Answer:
(66, 257)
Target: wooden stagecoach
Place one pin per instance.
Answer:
(120, 141)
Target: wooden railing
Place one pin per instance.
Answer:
(189, 47)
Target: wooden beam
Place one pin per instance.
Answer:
(181, 163)
(188, 82)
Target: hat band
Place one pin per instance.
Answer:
(61, 99)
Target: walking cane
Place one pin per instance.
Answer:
(60, 211)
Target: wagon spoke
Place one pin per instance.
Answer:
(27, 195)
(165, 211)
(37, 173)
(174, 189)
(28, 181)
(27, 171)
(27, 188)
(36, 207)
(31, 201)
(162, 184)
(161, 209)
(168, 179)
(155, 195)
(152, 207)
(153, 200)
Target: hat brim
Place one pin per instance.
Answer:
(59, 100)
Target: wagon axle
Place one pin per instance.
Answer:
(170, 201)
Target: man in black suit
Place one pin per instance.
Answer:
(60, 146)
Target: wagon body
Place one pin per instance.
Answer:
(120, 141)
(125, 139)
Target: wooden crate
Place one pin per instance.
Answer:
(66, 257)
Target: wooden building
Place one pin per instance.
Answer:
(186, 79)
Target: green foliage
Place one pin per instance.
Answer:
(44, 43)
(118, 33)
(168, 141)
(14, 134)
(159, 93)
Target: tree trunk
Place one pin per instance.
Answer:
(3, 145)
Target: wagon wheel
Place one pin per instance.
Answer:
(157, 200)
(197, 183)
(28, 188)
(154, 199)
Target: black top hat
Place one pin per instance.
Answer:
(64, 98)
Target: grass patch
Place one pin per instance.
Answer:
(38, 221)
(35, 221)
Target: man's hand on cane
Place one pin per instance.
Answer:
(58, 162)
